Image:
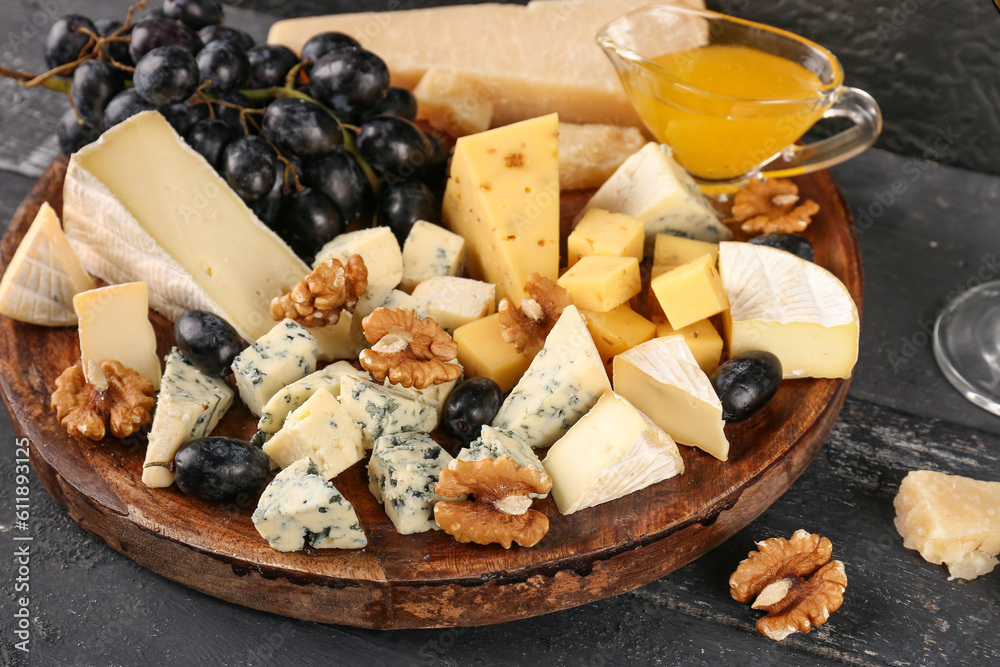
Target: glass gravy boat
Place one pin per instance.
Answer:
(722, 140)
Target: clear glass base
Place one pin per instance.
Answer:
(967, 345)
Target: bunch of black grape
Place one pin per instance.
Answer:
(312, 143)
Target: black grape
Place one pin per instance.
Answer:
(124, 105)
(117, 50)
(249, 165)
(270, 64)
(153, 33)
(64, 43)
(308, 220)
(301, 128)
(340, 178)
(166, 75)
(209, 137)
(94, 84)
(350, 81)
(183, 115)
(403, 204)
(239, 38)
(74, 135)
(194, 13)
(397, 102)
(224, 64)
(327, 42)
(396, 148)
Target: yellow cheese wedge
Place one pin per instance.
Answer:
(703, 340)
(602, 283)
(483, 352)
(672, 251)
(603, 233)
(43, 275)
(503, 197)
(528, 61)
(950, 519)
(691, 292)
(618, 330)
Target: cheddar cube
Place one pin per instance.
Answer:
(618, 330)
(704, 341)
(672, 251)
(690, 292)
(608, 234)
(602, 283)
(483, 352)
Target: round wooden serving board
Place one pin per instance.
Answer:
(425, 580)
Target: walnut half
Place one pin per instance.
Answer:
(501, 510)
(411, 351)
(774, 578)
(769, 206)
(528, 326)
(85, 410)
(320, 297)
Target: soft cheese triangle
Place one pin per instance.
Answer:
(662, 378)
(43, 275)
(563, 382)
(781, 303)
(613, 451)
(140, 204)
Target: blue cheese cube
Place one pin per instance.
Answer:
(431, 250)
(402, 473)
(493, 443)
(381, 410)
(323, 431)
(378, 248)
(453, 301)
(435, 394)
(288, 398)
(299, 506)
(283, 355)
(189, 406)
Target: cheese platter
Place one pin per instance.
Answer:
(358, 371)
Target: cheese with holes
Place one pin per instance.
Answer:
(283, 355)
(321, 429)
(114, 324)
(663, 379)
(503, 198)
(299, 506)
(614, 450)
(483, 352)
(781, 303)
(608, 234)
(431, 250)
(189, 406)
(950, 519)
(589, 154)
(602, 283)
(454, 301)
(562, 383)
(651, 186)
(140, 204)
(43, 275)
(291, 396)
(378, 248)
(382, 410)
(528, 60)
(402, 474)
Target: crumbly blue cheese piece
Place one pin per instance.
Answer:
(378, 248)
(322, 430)
(402, 473)
(493, 443)
(453, 301)
(431, 250)
(189, 406)
(563, 382)
(299, 506)
(435, 395)
(381, 410)
(283, 355)
(292, 396)
(651, 186)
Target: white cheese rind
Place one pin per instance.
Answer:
(378, 248)
(431, 250)
(283, 355)
(290, 397)
(384, 411)
(189, 406)
(402, 473)
(563, 382)
(299, 506)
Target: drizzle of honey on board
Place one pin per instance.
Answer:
(758, 103)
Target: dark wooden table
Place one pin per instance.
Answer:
(922, 245)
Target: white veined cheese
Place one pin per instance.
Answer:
(431, 250)
(299, 505)
(189, 406)
(43, 275)
(378, 248)
(383, 411)
(283, 355)
(781, 303)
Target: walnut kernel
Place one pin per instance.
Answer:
(527, 327)
(501, 510)
(411, 351)
(769, 206)
(126, 403)
(320, 297)
(774, 578)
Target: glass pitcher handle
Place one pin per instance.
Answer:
(859, 107)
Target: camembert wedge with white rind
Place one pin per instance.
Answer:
(503, 197)
(662, 378)
(140, 204)
(614, 450)
(43, 276)
(564, 380)
(950, 519)
(786, 305)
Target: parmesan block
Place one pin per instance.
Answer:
(455, 102)
(524, 61)
(950, 519)
(589, 154)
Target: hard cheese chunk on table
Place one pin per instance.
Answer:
(300, 505)
(950, 519)
(140, 204)
(483, 352)
(791, 307)
(291, 396)
(43, 275)
(114, 324)
(613, 451)
(189, 406)
(602, 283)
(503, 197)
(609, 234)
(562, 383)
(402, 473)
(285, 354)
